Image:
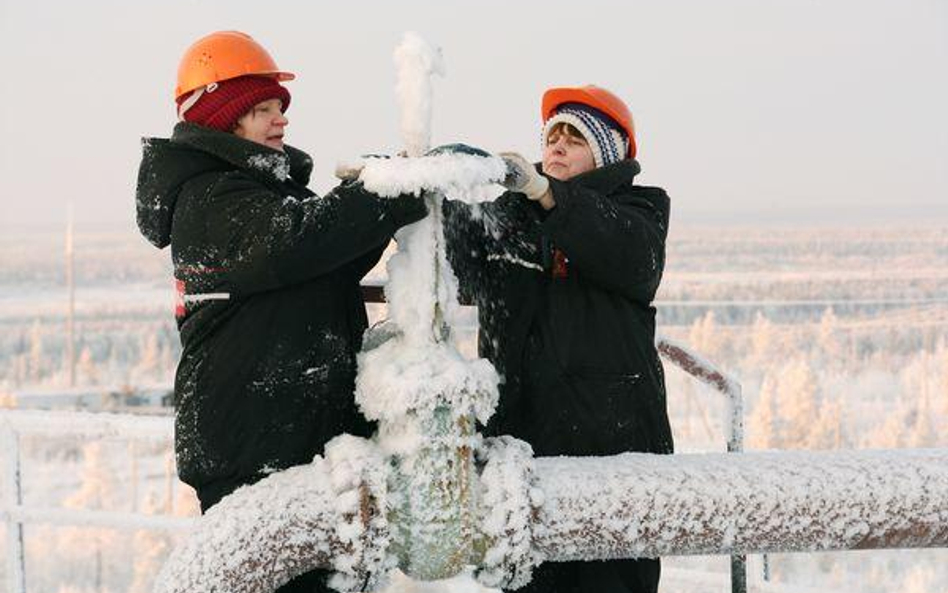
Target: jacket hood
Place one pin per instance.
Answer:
(192, 151)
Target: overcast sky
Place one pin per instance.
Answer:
(756, 111)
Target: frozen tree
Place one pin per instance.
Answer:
(705, 338)
(97, 491)
(763, 343)
(19, 369)
(827, 431)
(940, 364)
(186, 503)
(765, 424)
(150, 548)
(86, 367)
(889, 433)
(36, 356)
(148, 367)
(828, 339)
(923, 580)
(919, 397)
(7, 400)
(168, 360)
(799, 397)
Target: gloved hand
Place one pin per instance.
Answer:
(350, 170)
(522, 177)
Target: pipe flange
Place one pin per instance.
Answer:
(510, 501)
(358, 475)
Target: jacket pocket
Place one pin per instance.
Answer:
(618, 410)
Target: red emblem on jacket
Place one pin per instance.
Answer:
(178, 298)
(560, 264)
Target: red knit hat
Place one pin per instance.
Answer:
(221, 104)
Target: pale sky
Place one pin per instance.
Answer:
(748, 111)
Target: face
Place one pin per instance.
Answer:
(566, 155)
(264, 124)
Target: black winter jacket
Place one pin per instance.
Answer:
(272, 313)
(564, 304)
(577, 354)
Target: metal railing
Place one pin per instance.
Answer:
(15, 513)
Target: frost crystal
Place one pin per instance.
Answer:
(277, 165)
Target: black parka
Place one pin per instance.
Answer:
(581, 375)
(272, 315)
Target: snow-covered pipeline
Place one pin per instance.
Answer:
(630, 505)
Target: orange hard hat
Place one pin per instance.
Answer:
(595, 97)
(221, 56)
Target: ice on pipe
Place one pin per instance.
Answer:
(416, 62)
(466, 178)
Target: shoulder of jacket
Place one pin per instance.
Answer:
(648, 192)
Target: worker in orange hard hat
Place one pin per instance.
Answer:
(222, 77)
(269, 306)
(563, 268)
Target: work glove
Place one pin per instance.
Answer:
(523, 178)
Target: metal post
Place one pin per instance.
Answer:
(735, 444)
(13, 498)
(707, 373)
(71, 313)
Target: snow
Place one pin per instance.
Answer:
(463, 177)
(277, 165)
(359, 480)
(416, 62)
(290, 519)
(639, 505)
(509, 502)
(397, 382)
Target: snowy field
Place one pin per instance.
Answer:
(838, 336)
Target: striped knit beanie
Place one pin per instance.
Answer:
(606, 139)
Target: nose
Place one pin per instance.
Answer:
(559, 146)
(281, 120)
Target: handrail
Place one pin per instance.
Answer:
(15, 514)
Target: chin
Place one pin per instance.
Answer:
(559, 174)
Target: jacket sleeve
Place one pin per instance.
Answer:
(267, 241)
(616, 241)
(464, 237)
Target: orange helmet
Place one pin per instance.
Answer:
(221, 56)
(595, 97)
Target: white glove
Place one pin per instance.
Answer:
(523, 178)
(349, 171)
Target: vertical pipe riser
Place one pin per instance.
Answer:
(438, 499)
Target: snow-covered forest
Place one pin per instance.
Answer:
(838, 336)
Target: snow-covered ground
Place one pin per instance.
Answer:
(838, 337)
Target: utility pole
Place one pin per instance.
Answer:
(70, 314)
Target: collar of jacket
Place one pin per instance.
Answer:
(292, 162)
(606, 179)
